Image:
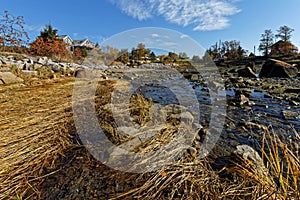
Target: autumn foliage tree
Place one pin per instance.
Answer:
(48, 44)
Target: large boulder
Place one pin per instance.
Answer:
(83, 73)
(275, 68)
(9, 78)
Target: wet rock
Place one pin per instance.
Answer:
(294, 103)
(245, 91)
(243, 100)
(247, 72)
(252, 125)
(292, 90)
(194, 77)
(276, 68)
(268, 96)
(289, 115)
(9, 78)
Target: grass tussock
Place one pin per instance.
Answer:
(184, 180)
(35, 132)
(283, 163)
(140, 108)
(276, 176)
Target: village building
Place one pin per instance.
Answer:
(283, 48)
(72, 44)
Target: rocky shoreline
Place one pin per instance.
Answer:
(253, 107)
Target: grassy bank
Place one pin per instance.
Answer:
(37, 130)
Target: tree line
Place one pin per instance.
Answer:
(13, 37)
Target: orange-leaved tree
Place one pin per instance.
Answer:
(48, 44)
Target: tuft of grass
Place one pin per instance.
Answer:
(140, 109)
(283, 164)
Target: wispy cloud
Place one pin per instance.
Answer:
(33, 28)
(202, 14)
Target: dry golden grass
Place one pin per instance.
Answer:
(186, 179)
(283, 164)
(276, 177)
(140, 108)
(34, 127)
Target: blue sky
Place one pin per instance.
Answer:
(205, 21)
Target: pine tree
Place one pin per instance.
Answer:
(266, 42)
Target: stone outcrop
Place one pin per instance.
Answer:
(275, 68)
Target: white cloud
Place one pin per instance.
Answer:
(154, 35)
(202, 14)
(184, 36)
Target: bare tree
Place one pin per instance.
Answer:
(12, 32)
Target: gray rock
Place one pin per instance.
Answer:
(194, 77)
(288, 115)
(54, 67)
(43, 60)
(248, 153)
(30, 72)
(83, 73)
(185, 117)
(9, 78)
(27, 60)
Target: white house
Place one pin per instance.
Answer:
(86, 43)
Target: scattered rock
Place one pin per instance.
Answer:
(185, 117)
(9, 78)
(294, 103)
(276, 68)
(43, 60)
(243, 100)
(247, 72)
(194, 77)
(248, 153)
(251, 125)
(247, 160)
(83, 73)
(289, 115)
